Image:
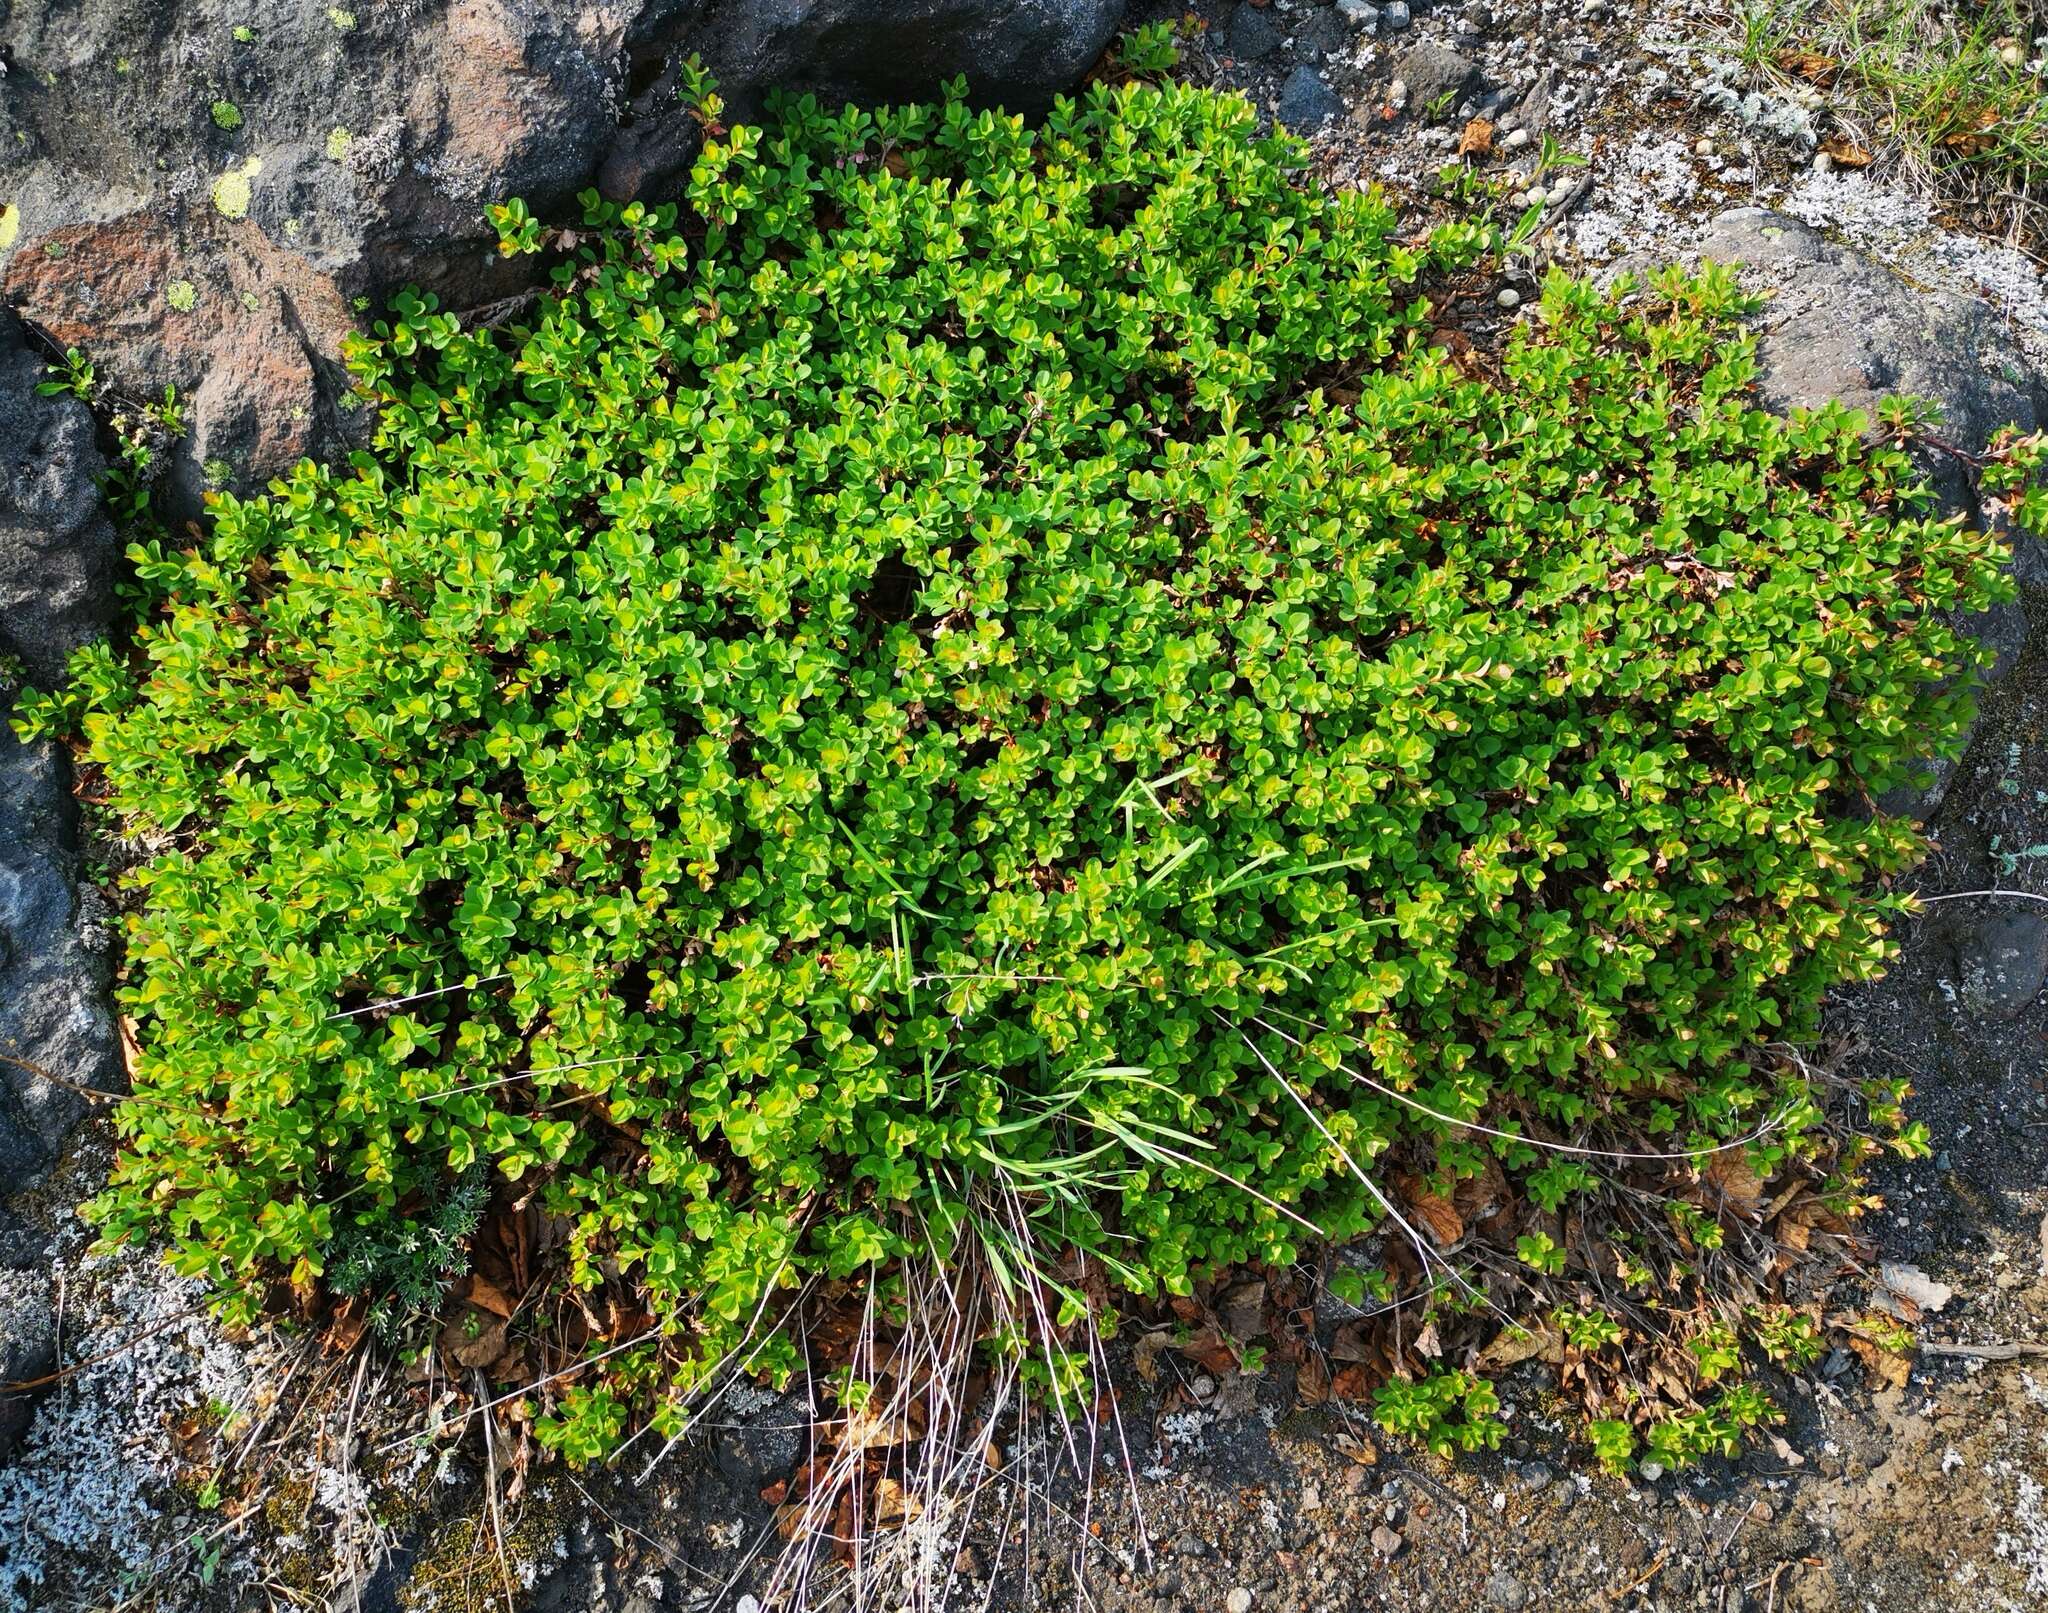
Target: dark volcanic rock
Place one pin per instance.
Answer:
(1435, 74)
(2002, 957)
(334, 153)
(1842, 326)
(1306, 102)
(54, 973)
(57, 548)
(1252, 35)
(56, 590)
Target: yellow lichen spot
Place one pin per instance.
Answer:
(10, 225)
(231, 190)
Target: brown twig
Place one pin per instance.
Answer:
(2018, 1350)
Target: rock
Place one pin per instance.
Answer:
(1319, 35)
(362, 158)
(57, 548)
(1435, 75)
(1508, 297)
(2002, 959)
(1909, 1283)
(1387, 1542)
(765, 1445)
(1306, 102)
(1238, 1601)
(28, 1350)
(1652, 1471)
(1503, 1590)
(1841, 326)
(1396, 17)
(1252, 34)
(251, 357)
(56, 590)
(54, 966)
(1360, 14)
(1018, 52)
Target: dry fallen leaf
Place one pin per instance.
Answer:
(1846, 152)
(1312, 1382)
(894, 1505)
(1908, 1291)
(1242, 1310)
(1145, 1355)
(487, 1296)
(474, 1339)
(346, 1330)
(1811, 66)
(1737, 1186)
(1512, 1346)
(1477, 139)
(1889, 1369)
(1433, 1210)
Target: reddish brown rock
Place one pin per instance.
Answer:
(245, 331)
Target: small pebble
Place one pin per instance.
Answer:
(2013, 56)
(1653, 1471)
(1508, 297)
(1505, 1591)
(1396, 16)
(1516, 139)
(1204, 1387)
(1238, 1601)
(1387, 1542)
(1703, 147)
(1823, 163)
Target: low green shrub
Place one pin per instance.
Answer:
(999, 689)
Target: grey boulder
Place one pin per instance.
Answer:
(57, 548)
(1306, 102)
(1436, 76)
(57, 553)
(210, 195)
(1840, 326)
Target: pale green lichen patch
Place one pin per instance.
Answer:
(338, 142)
(181, 295)
(226, 115)
(232, 190)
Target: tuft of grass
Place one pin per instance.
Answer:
(1950, 96)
